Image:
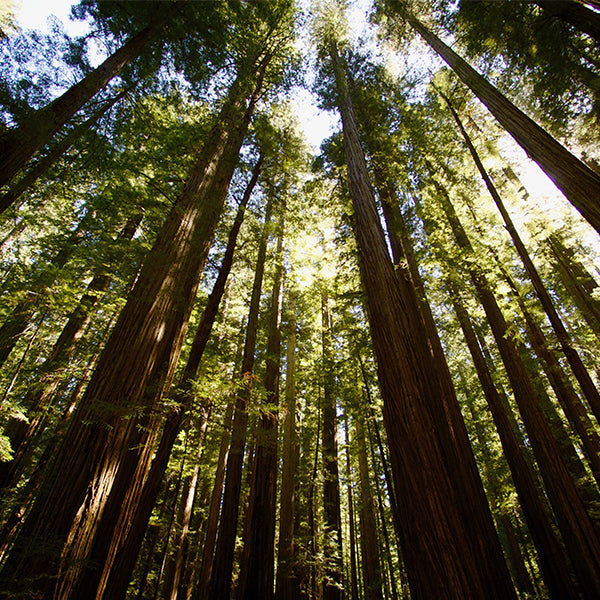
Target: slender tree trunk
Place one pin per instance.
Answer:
(221, 577)
(188, 498)
(106, 443)
(372, 576)
(579, 283)
(287, 580)
(575, 525)
(382, 518)
(519, 570)
(313, 547)
(552, 559)
(574, 13)
(24, 183)
(577, 181)
(212, 523)
(18, 145)
(260, 574)
(353, 567)
(571, 404)
(116, 579)
(332, 519)
(391, 493)
(445, 536)
(566, 343)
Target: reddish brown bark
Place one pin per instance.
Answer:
(371, 561)
(577, 529)
(108, 445)
(569, 401)
(351, 525)
(576, 180)
(260, 571)
(115, 579)
(332, 519)
(445, 537)
(222, 568)
(18, 145)
(541, 526)
(25, 182)
(287, 581)
(566, 343)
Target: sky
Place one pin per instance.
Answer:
(32, 14)
(317, 124)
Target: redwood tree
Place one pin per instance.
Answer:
(425, 459)
(107, 446)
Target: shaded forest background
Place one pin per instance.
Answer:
(234, 367)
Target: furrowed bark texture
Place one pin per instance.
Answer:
(107, 442)
(287, 581)
(576, 527)
(221, 578)
(578, 182)
(566, 343)
(260, 572)
(115, 579)
(451, 547)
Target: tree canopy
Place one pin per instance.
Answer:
(235, 365)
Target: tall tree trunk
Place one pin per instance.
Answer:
(18, 145)
(519, 570)
(577, 181)
(260, 574)
(575, 525)
(574, 13)
(332, 519)
(383, 519)
(222, 570)
(541, 526)
(571, 404)
(578, 281)
(566, 343)
(187, 503)
(116, 579)
(372, 576)
(451, 547)
(391, 493)
(212, 523)
(107, 443)
(287, 581)
(352, 541)
(212, 520)
(311, 583)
